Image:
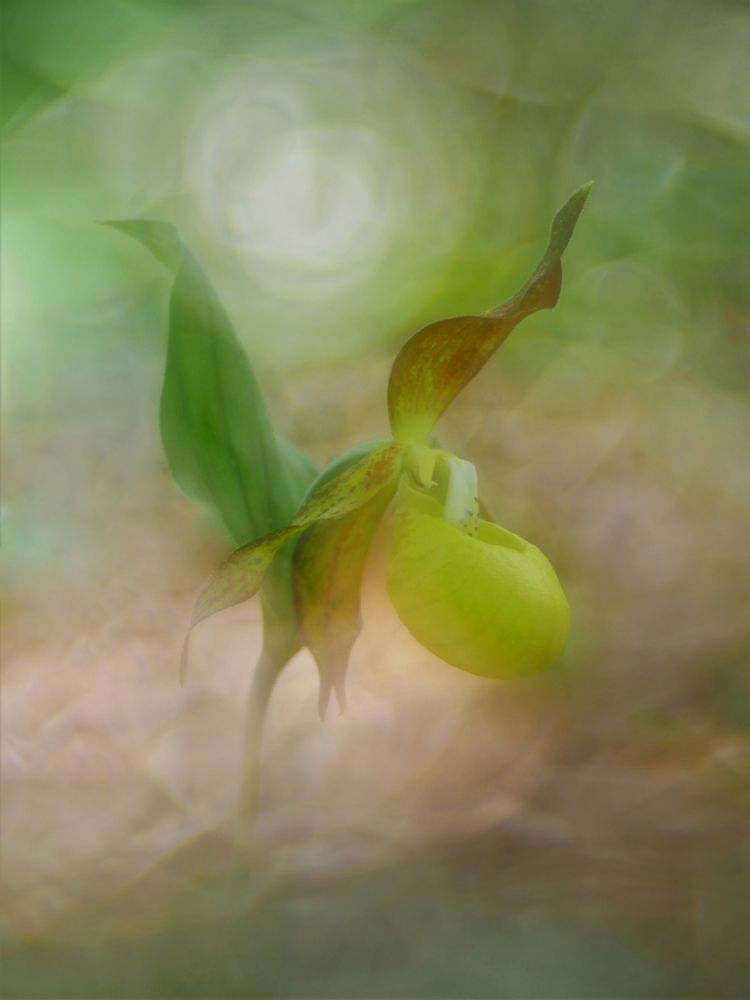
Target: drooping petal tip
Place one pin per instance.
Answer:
(242, 574)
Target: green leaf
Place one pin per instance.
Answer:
(436, 363)
(161, 238)
(329, 560)
(242, 574)
(215, 429)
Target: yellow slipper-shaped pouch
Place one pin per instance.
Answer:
(482, 599)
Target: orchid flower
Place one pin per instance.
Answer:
(476, 595)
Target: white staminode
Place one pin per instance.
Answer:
(461, 503)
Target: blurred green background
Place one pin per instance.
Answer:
(347, 172)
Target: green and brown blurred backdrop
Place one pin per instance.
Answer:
(346, 171)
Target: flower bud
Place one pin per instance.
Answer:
(488, 602)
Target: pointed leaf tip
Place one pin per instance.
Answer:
(161, 238)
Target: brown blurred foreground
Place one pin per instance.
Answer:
(586, 834)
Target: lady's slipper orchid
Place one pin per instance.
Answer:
(471, 592)
(474, 594)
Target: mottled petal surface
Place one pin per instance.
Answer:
(435, 365)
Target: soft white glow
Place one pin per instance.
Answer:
(319, 163)
(312, 205)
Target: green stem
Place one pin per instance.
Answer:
(280, 642)
(266, 673)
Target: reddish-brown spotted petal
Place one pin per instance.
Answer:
(436, 363)
(242, 574)
(328, 563)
